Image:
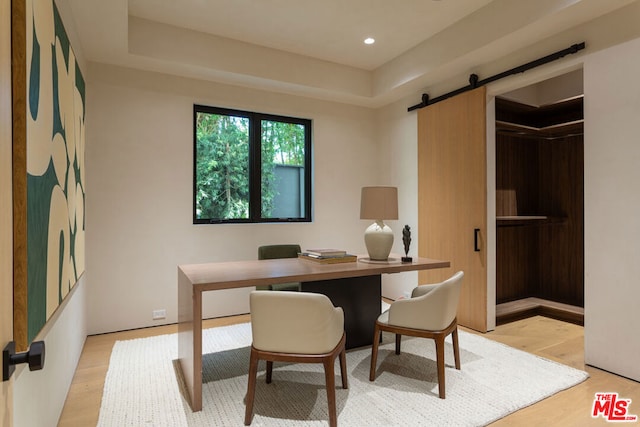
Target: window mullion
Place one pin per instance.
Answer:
(307, 171)
(255, 168)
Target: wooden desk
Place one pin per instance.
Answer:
(195, 279)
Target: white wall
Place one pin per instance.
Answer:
(140, 184)
(611, 199)
(612, 209)
(38, 396)
(549, 91)
(397, 134)
(612, 156)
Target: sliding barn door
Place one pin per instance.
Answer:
(452, 197)
(6, 207)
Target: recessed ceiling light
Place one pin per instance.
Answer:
(369, 40)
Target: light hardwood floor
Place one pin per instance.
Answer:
(549, 338)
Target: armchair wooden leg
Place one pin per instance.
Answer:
(269, 371)
(330, 380)
(456, 347)
(343, 368)
(398, 341)
(440, 362)
(374, 352)
(251, 387)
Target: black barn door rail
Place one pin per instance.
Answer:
(474, 82)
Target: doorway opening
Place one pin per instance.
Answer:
(540, 201)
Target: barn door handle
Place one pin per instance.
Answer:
(476, 239)
(34, 357)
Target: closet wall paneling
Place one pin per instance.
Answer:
(517, 246)
(540, 202)
(562, 244)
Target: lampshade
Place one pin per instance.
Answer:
(379, 203)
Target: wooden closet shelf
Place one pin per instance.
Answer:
(522, 220)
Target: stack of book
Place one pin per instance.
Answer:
(327, 256)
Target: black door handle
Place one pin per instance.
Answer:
(34, 357)
(476, 239)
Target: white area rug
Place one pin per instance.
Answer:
(141, 388)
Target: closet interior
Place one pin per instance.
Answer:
(540, 210)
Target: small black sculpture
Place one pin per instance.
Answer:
(406, 239)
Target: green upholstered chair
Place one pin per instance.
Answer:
(277, 252)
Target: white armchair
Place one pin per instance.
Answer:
(430, 313)
(296, 327)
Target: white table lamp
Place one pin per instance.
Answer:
(379, 203)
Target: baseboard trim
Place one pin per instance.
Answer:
(529, 307)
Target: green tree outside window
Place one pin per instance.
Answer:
(226, 185)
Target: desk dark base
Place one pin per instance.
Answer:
(360, 299)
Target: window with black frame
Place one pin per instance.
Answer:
(250, 167)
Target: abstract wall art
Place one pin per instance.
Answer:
(50, 243)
